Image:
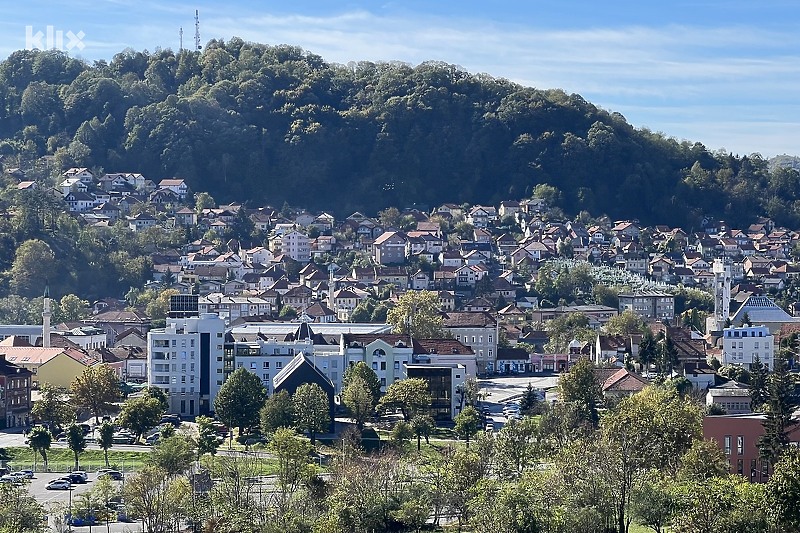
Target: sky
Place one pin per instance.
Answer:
(722, 72)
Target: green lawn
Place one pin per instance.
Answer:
(62, 460)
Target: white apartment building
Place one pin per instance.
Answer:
(741, 345)
(185, 359)
(294, 244)
(478, 330)
(266, 357)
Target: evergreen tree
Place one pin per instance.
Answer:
(529, 400)
(759, 379)
(779, 407)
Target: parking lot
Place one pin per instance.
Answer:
(498, 391)
(53, 500)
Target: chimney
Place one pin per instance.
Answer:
(46, 318)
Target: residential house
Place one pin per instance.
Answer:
(15, 394)
(390, 248)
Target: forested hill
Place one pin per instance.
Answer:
(274, 123)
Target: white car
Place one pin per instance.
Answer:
(59, 484)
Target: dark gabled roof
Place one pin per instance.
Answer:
(300, 360)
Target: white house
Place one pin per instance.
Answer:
(741, 345)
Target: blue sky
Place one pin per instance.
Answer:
(725, 73)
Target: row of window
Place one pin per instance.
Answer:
(739, 444)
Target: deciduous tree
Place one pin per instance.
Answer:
(240, 399)
(358, 399)
(311, 409)
(581, 387)
(417, 314)
(411, 396)
(140, 414)
(278, 412)
(96, 390)
(76, 441)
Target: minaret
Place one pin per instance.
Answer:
(331, 285)
(722, 296)
(46, 318)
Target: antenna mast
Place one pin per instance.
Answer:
(197, 30)
(181, 34)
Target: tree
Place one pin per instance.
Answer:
(311, 409)
(529, 400)
(401, 433)
(51, 407)
(779, 407)
(417, 314)
(358, 399)
(207, 441)
(651, 429)
(71, 309)
(626, 323)
(759, 380)
(76, 441)
(34, 263)
(655, 501)
(409, 395)
(292, 453)
(151, 391)
(467, 423)
(240, 399)
(140, 414)
(422, 425)
(783, 492)
(470, 392)
(582, 387)
(203, 200)
(105, 438)
(39, 440)
(278, 412)
(19, 511)
(517, 446)
(287, 313)
(370, 378)
(160, 500)
(96, 389)
(172, 455)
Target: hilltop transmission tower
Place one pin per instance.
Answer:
(197, 30)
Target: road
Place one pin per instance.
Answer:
(501, 389)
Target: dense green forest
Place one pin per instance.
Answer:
(276, 123)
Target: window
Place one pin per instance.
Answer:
(266, 377)
(279, 364)
(383, 365)
(219, 335)
(727, 444)
(334, 363)
(219, 371)
(374, 365)
(397, 365)
(174, 343)
(383, 382)
(740, 445)
(490, 339)
(239, 365)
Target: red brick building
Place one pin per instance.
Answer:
(737, 436)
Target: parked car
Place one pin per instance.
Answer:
(27, 473)
(175, 420)
(74, 479)
(116, 475)
(59, 484)
(81, 473)
(123, 439)
(152, 439)
(490, 427)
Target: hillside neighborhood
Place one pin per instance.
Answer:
(485, 264)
